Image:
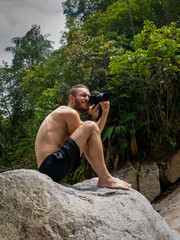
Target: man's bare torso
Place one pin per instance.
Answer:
(53, 133)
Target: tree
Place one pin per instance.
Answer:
(86, 60)
(149, 76)
(31, 49)
(81, 9)
(125, 18)
(17, 115)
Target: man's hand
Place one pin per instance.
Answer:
(105, 106)
(94, 112)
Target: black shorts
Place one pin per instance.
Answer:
(63, 162)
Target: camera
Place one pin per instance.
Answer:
(97, 97)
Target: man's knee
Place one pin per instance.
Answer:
(92, 126)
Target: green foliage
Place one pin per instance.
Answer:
(83, 8)
(85, 60)
(150, 73)
(47, 102)
(114, 133)
(113, 23)
(76, 176)
(108, 133)
(35, 81)
(16, 130)
(123, 19)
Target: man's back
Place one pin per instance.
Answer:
(53, 132)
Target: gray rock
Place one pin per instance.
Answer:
(129, 174)
(169, 209)
(149, 184)
(33, 207)
(173, 168)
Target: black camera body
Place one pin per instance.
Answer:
(97, 97)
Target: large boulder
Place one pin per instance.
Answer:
(169, 208)
(145, 180)
(129, 174)
(173, 168)
(34, 207)
(149, 184)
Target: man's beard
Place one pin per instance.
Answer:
(79, 107)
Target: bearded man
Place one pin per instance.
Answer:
(62, 139)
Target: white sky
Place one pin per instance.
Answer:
(17, 17)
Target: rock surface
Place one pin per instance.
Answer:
(169, 209)
(146, 181)
(173, 168)
(34, 207)
(149, 184)
(129, 174)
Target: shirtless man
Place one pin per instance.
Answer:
(63, 137)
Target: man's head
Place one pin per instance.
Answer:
(79, 98)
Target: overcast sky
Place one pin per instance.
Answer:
(17, 17)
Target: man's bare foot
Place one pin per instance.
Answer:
(112, 182)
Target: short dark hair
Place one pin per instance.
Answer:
(73, 90)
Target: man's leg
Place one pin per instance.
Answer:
(88, 138)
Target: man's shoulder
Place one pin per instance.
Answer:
(65, 110)
(66, 113)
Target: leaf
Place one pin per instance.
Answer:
(124, 143)
(120, 129)
(108, 133)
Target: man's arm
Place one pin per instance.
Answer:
(94, 113)
(105, 110)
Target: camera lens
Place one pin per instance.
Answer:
(105, 97)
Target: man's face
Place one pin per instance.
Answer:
(81, 100)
